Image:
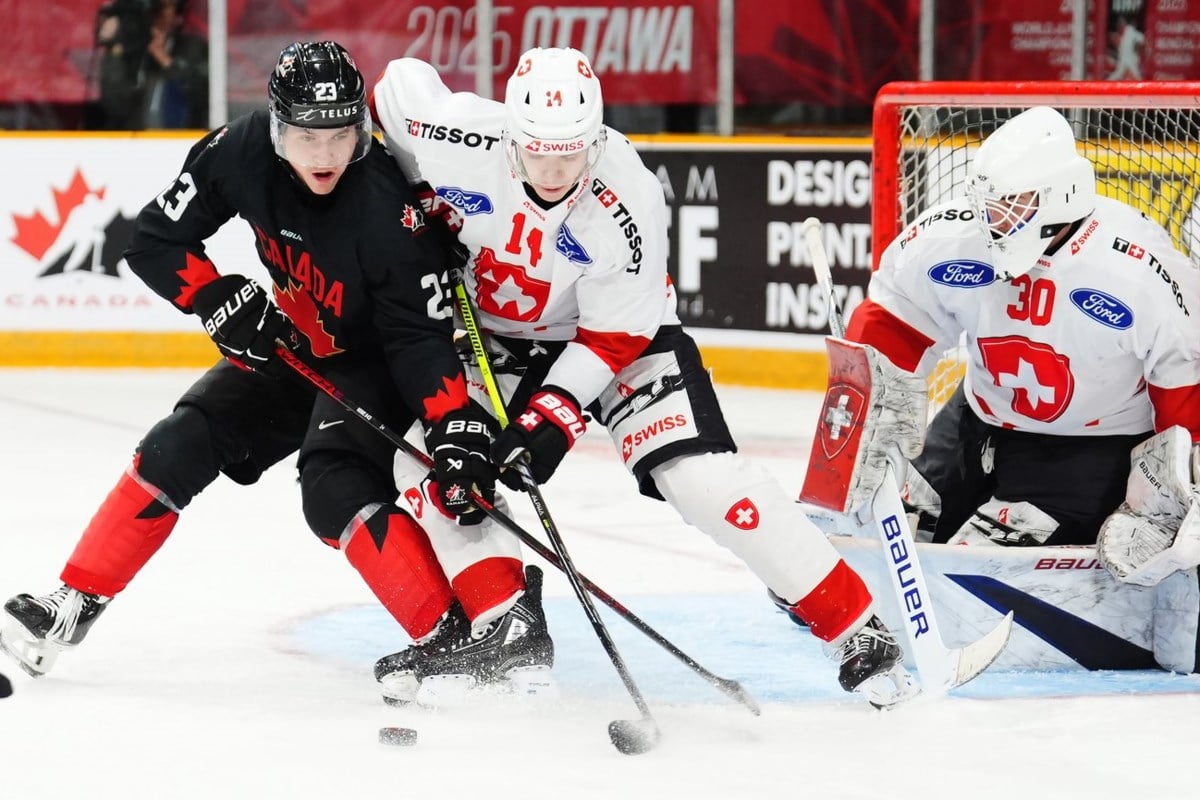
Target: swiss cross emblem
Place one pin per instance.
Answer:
(415, 501)
(743, 514)
(412, 218)
(844, 405)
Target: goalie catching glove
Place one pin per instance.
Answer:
(546, 430)
(244, 323)
(872, 409)
(459, 445)
(1156, 531)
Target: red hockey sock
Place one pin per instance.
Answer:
(394, 557)
(129, 527)
(838, 601)
(487, 584)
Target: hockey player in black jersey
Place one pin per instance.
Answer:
(361, 290)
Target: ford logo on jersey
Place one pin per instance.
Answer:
(468, 203)
(1104, 308)
(570, 247)
(966, 274)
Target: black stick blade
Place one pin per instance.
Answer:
(633, 736)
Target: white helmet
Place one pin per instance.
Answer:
(554, 107)
(1026, 183)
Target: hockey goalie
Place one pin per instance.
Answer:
(1067, 456)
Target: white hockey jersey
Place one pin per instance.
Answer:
(591, 271)
(1102, 337)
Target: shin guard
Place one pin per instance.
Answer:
(131, 524)
(393, 556)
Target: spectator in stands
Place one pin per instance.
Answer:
(153, 72)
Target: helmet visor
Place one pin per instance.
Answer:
(315, 148)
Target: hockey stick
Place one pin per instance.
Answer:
(627, 735)
(941, 668)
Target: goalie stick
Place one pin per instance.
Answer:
(940, 668)
(627, 735)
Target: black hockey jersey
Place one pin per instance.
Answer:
(357, 271)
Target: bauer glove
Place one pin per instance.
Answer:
(243, 322)
(546, 430)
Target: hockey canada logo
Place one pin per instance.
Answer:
(412, 218)
(85, 232)
(743, 515)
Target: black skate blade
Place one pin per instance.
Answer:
(634, 736)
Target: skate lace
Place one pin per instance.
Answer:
(65, 605)
(865, 641)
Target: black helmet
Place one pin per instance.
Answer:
(316, 85)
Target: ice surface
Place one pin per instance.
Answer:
(238, 664)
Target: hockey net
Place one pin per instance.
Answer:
(1141, 137)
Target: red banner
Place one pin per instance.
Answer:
(819, 52)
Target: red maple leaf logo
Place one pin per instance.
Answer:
(302, 311)
(443, 401)
(35, 234)
(197, 272)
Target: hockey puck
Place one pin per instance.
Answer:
(6, 687)
(399, 737)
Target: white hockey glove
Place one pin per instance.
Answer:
(1156, 531)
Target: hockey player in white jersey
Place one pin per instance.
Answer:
(567, 232)
(1081, 325)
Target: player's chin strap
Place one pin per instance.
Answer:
(629, 736)
(940, 667)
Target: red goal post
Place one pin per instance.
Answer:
(1143, 138)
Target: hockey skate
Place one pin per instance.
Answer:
(514, 653)
(34, 630)
(871, 665)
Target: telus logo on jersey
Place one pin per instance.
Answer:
(1102, 307)
(608, 198)
(441, 133)
(963, 273)
(569, 246)
(469, 203)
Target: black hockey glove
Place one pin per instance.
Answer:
(244, 323)
(461, 463)
(546, 430)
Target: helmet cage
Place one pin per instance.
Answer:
(1028, 182)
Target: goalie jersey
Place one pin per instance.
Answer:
(591, 270)
(1102, 337)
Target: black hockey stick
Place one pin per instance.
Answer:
(627, 735)
(727, 686)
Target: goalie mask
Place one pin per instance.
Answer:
(554, 132)
(1027, 183)
(317, 100)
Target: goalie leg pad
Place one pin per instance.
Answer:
(744, 510)
(1007, 524)
(1176, 618)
